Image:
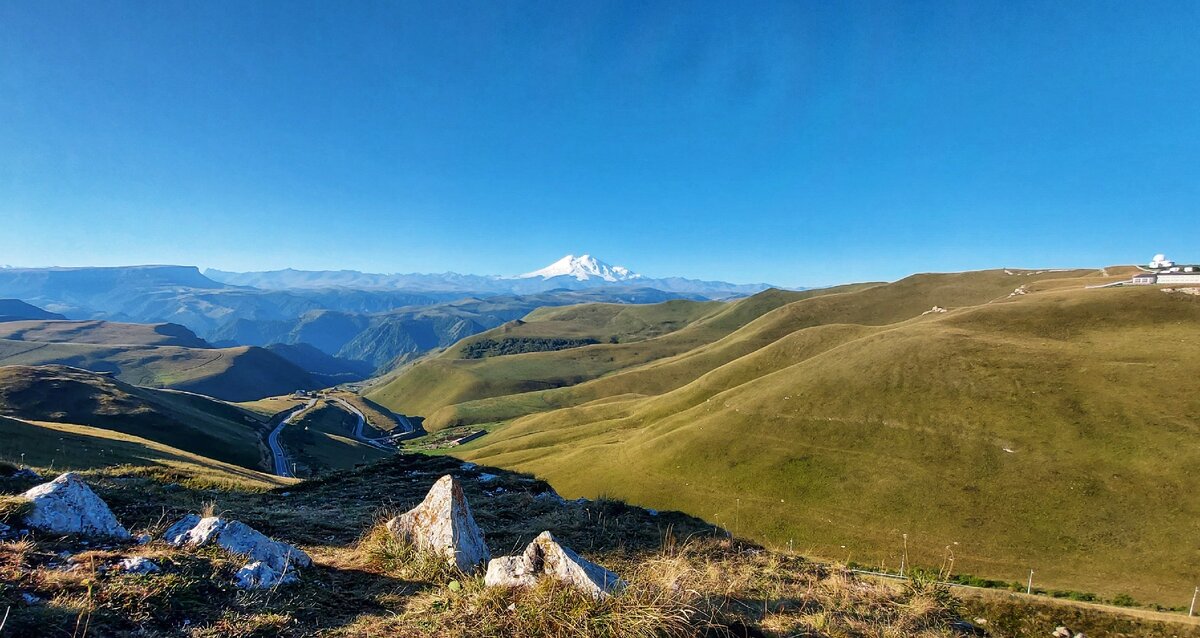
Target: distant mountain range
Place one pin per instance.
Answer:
(363, 322)
(571, 272)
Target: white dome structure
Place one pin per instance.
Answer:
(1161, 261)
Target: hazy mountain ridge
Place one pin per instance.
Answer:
(569, 272)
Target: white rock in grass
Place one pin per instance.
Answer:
(560, 563)
(259, 575)
(442, 524)
(545, 556)
(240, 538)
(137, 565)
(67, 505)
(272, 562)
(177, 534)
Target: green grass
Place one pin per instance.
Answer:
(850, 419)
(197, 424)
(643, 333)
(60, 447)
(101, 333)
(685, 578)
(233, 374)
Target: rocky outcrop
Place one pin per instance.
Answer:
(442, 524)
(67, 505)
(546, 557)
(272, 562)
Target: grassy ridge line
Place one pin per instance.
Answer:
(65, 446)
(190, 422)
(868, 304)
(446, 380)
(1058, 377)
(235, 374)
(101, 333)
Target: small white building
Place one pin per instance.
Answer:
(1165, 271)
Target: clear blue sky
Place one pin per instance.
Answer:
(737, 141)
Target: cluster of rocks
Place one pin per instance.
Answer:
(1064, 632)
(67, 505)
(443, 524)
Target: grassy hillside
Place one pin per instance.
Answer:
(1045, 429)
(233, 374)
(628, 336)
(686, 578)
(188, 422)
(450, 391)
(102, 332)
(61, 446)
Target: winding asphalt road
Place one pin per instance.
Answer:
(362, 421)
(281, 463)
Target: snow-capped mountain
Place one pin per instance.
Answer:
(582, 268)
(569, 273)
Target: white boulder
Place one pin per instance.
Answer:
(67, 505)
(272, 562)
(545, 556)
(442, 524)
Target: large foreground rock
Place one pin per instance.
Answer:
(442, 524)
(546, 557)
(67, 505)
(271, 562)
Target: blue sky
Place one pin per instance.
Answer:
(797, 143)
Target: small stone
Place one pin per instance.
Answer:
(487, 478)
(545, 556)
(67, 505)
(26, 473)
(142, 539)
(549, 497)
(443, 524)
(137, 565)
(259, 575)
(1061, 632)
(30, 599)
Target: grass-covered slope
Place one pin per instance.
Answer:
(102, 333)
(232, 374)
(449, 390)
(1053, 430)
(63, 446)
(686, 578)
(188, 422)
(628, 336)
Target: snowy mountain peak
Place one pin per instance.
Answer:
(582, 268)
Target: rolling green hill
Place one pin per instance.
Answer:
(188, 422)
(102, 333)
(64, 446)
(232, 374)
(627, 336)
(1035, 424)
